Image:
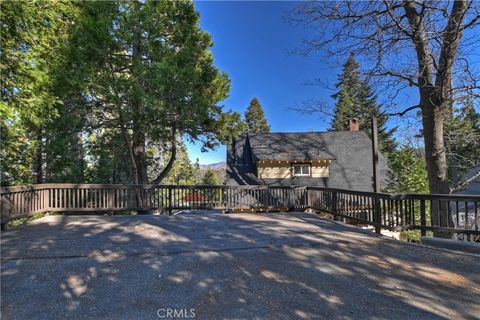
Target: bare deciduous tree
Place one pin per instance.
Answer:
(410, 43)
(392, 35)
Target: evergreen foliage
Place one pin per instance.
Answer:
(356, 99)
(462, 141)
(408, 173)
(209, 178)
(255, 118)
(33, 34)
(102, 91)
(183, 172)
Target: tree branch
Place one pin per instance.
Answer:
(171, 161)
(398, 75)
(402, 113)
(451, 39)
(421, 44)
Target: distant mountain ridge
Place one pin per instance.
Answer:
(218, 168)
(214, 166)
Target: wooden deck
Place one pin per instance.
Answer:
(225, 266)
(80, 236)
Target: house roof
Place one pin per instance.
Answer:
(291, 146)
(351, 153)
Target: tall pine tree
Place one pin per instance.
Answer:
(462, 141)
(255, 118)
(356, 99)
(347, 97)
(34, 34)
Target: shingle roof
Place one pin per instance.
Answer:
(291, 146)
(351, 153)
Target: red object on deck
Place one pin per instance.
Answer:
(195, 197)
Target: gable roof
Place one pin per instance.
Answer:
(290, 146)
(350, 152)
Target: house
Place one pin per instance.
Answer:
(467, 211)
(473, 187)
(334, 159)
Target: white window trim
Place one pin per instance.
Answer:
(302, 174)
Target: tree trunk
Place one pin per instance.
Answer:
(141, 165)
(77, 149)
(171, 161)
(437, 168)
(435, 98)
(140, 169)
(133, 161)
(138, 147)
(140, 159)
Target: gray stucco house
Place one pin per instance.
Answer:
(474, 186)
(336, 159)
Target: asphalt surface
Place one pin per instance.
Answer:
(241, 266)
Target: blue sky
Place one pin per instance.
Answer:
(253, 44)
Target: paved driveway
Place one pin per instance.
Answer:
(238, 266)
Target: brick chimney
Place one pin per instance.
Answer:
(353, 124)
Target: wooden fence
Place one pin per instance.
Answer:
(388, 211)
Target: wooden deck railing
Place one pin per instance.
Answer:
(388, 211)
(22, 201)
(401, 211)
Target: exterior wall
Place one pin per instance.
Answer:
(273, 170)
(320, 171)
(283, 170)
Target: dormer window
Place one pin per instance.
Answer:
(301, 170)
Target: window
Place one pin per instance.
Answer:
(301, 169)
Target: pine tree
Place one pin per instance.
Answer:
(209, 178)
(462, 140)
(255, 118)
(408, 172)
(356, 99)
(368, 108)
(183, 171)
(348, 85)
(34, 34)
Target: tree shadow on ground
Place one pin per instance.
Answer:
(228, 266)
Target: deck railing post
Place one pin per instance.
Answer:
(307, 198)
(377, 215)
(334, 206)
(48, 194)
(4, 210)
(423, 218)
(110, 199)
(169, 200)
